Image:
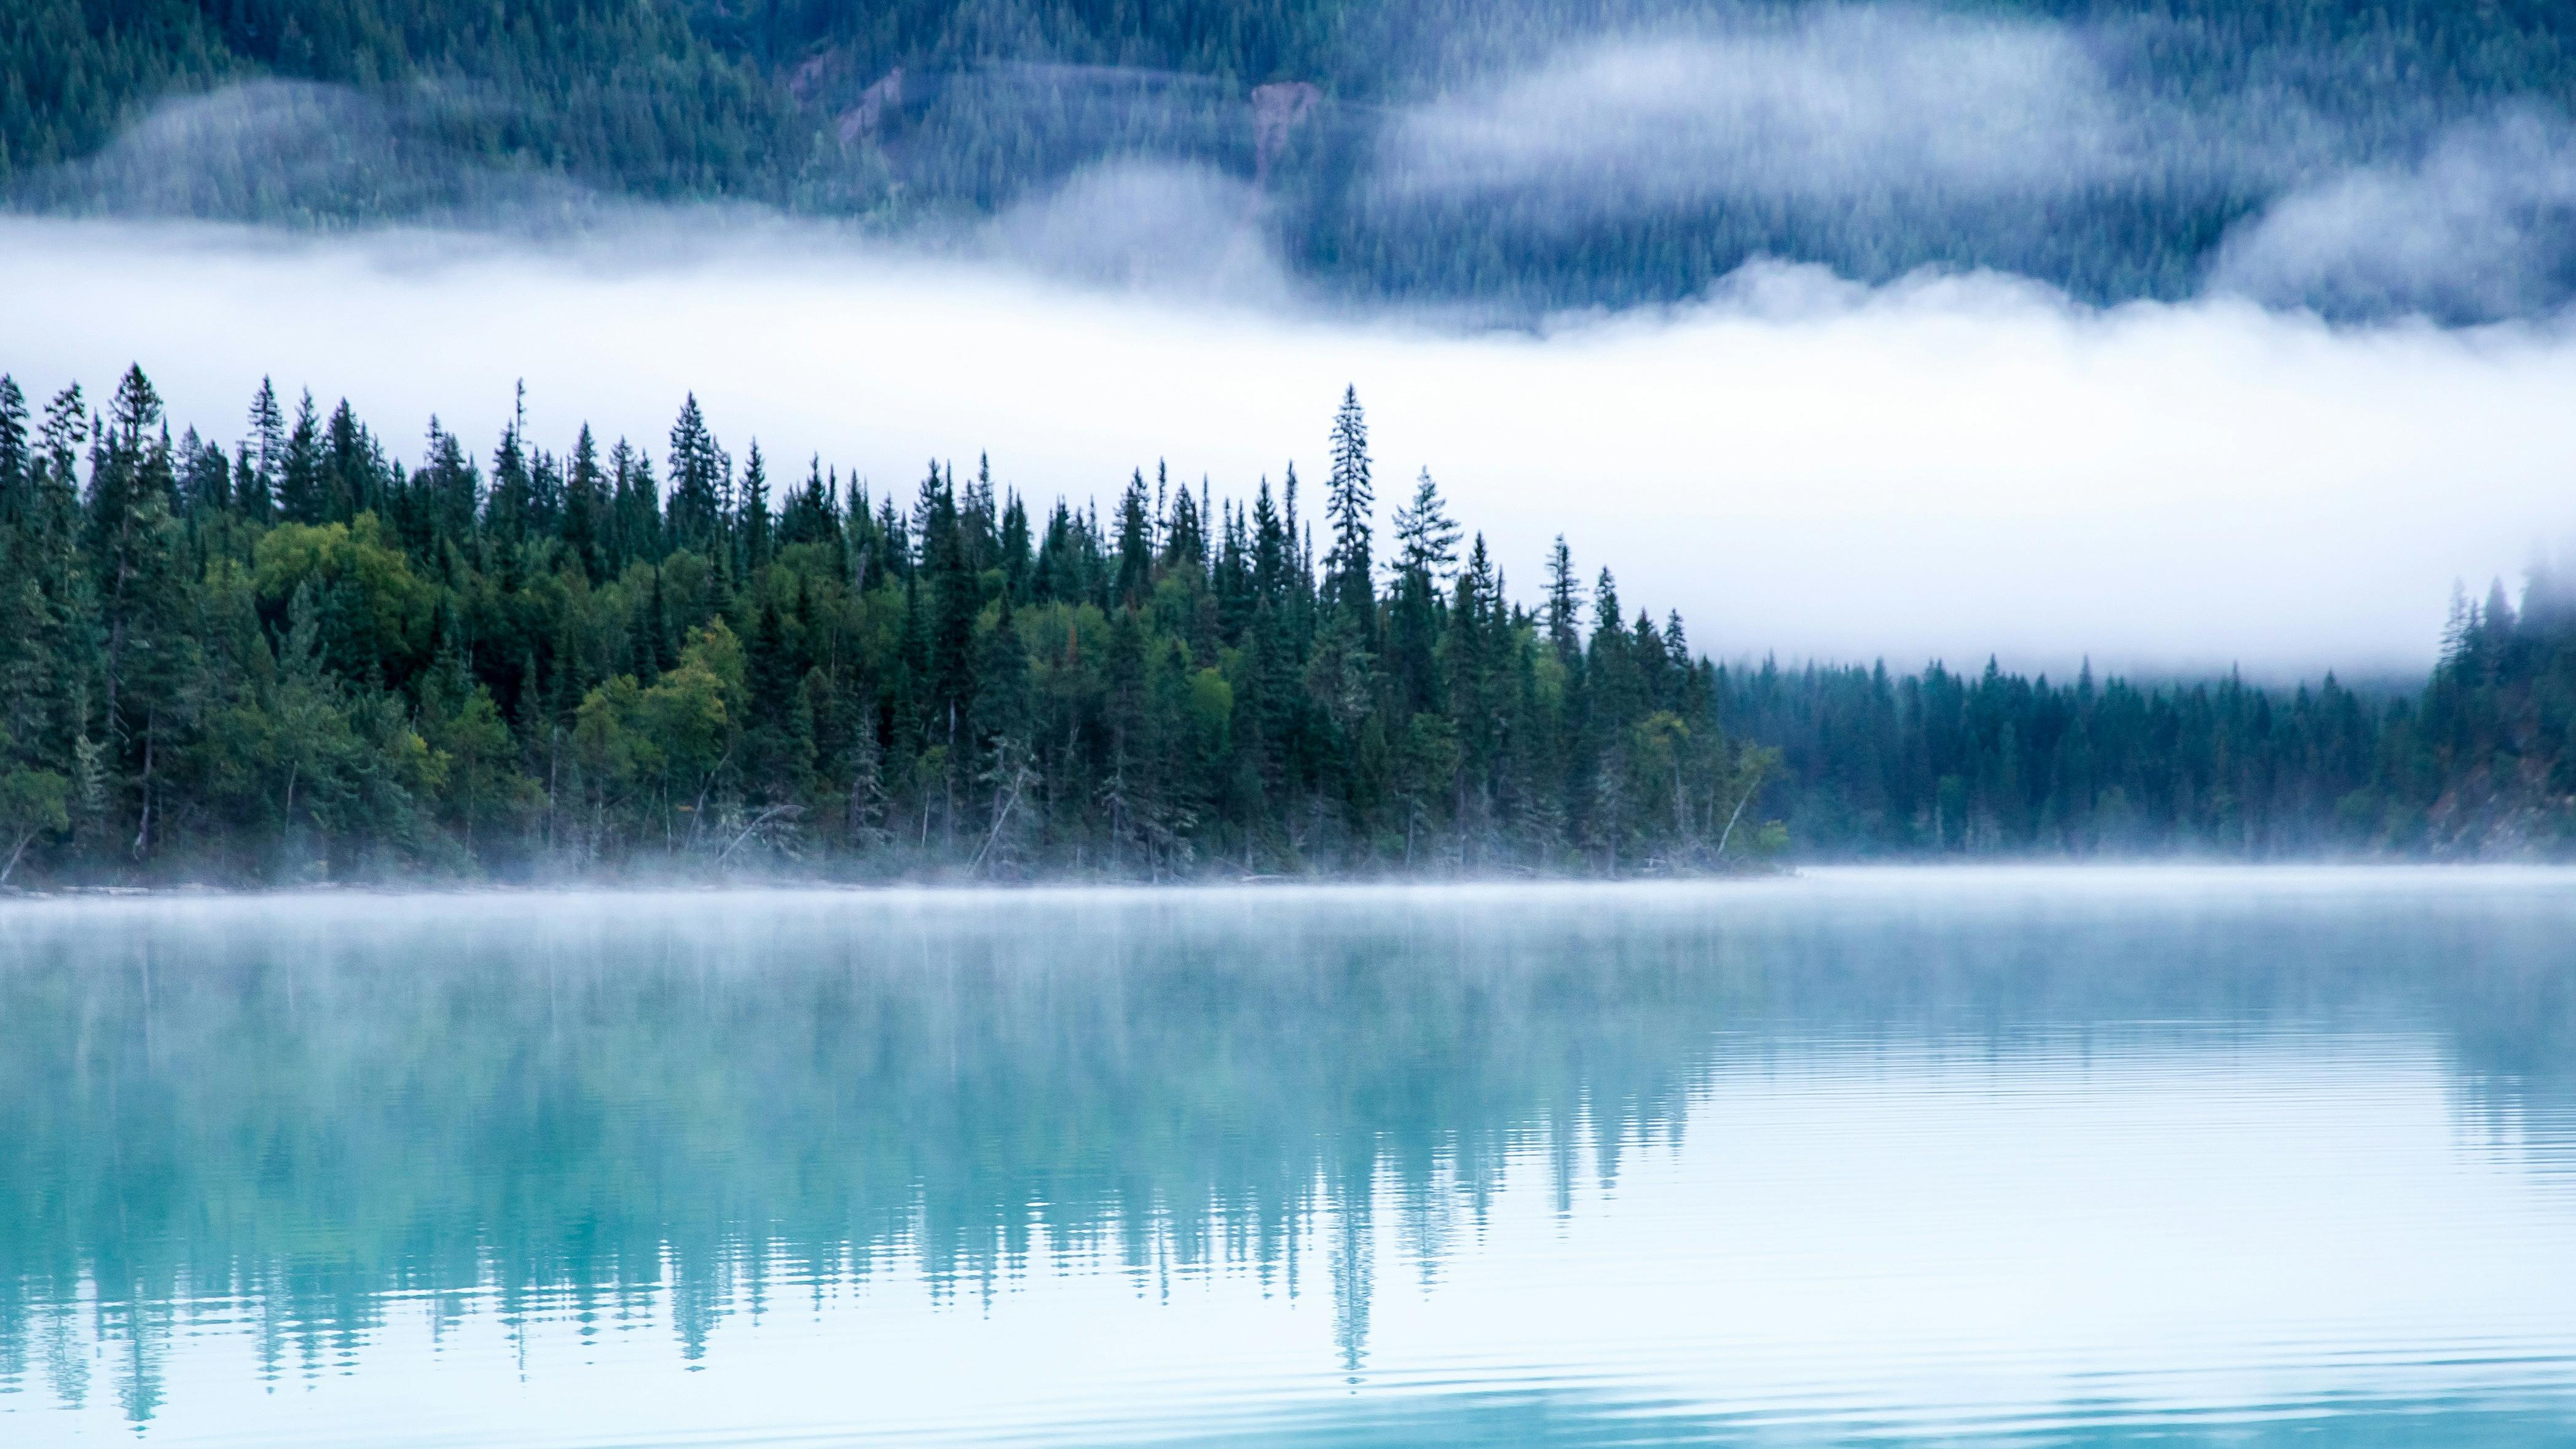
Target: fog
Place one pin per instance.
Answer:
(1834, 104)
(1944, 467)
(1948, 465)
(1890, 120)
(1956, 1150)
(2478, 225)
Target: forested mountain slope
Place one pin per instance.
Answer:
(1523, 157)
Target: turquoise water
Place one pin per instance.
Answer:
(2044, 1157)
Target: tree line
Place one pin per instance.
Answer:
(300, 659)
(2481, 760)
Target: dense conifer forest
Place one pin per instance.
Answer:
(293, 658)
(928, 115)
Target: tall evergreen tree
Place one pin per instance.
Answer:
(753, 520)
(589, 526)
(1135, 542)
(1349, 503)
(267, 444)
(698, 483)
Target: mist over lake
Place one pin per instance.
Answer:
(2044, 1157)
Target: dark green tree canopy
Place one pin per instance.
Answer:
(929, 112)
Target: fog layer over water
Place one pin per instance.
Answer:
(2041, 1156)
(1935, 468)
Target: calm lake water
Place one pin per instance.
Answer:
(2042, 1157)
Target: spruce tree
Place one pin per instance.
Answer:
(697, 504)
(137, 550)
(587, 521)
(1348, 504)
(508, 513)
(813, 513)
(1564, 600)
(638, 537)
(353, 472)
(301, 492)
(1135, 543)
(15, 457)
(1018, 561)
(267, 444)
(753, 515)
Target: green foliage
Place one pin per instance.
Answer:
(31, 803)
(379, 609)
(436, 673)
(429, 669)
(933, 111)
(2000, 764)
(608, 93)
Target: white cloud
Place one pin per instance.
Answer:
(1849, 104)
(2483, 225)
(1138, 225)
(273, 148)
(1799, 464)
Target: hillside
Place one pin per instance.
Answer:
(1564, 155)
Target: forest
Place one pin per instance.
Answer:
(298, 659)
(928, 118)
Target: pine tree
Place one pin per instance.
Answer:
(137, 553)
(267, 444)
(1564, 600)
(1018, 560)
(588, 522)
(1003, 731)
(779, 760)
(957, 598)
(638, 536)
(698, 485)
(452, 487)
(50, 616)
(1426, 547)
(1426, 540)
(813, 513)
(754, 524)
(1184, 535)
(1349, 504)
(205, 478)
(15, 458)
(34, 796)
(508, 514)
(353, 472)
(300, 491)
(1135, 543)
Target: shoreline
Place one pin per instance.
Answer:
(1838, 877)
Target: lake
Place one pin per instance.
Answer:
(2047, 1156)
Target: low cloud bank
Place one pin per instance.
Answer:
(2482, 224)
(1175, 230)
(1843, 104)
(301, 151)
(2116, 157)
(1943, 467)
(1887, 131)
